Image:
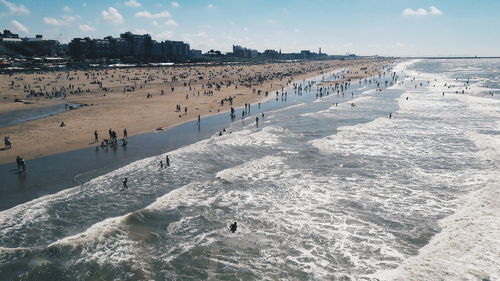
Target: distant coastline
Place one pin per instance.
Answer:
(450, 58)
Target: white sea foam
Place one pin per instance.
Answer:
(467, 246)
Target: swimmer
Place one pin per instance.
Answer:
(125, 186)
(233, 227)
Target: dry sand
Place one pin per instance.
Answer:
(111, 106)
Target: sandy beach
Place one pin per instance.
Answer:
(143, 99)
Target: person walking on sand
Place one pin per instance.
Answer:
(125, 186)
(125, 133)
(8, 144)
(96, 136)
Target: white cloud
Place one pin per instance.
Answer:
(52, 21)
(175, 4)
(15, 9)
(66, 20)
(66, 9)
(434, 11)
(112, 15)
(422, 12)
(86, 28)
(18, 27)
(164, 35)
(146, 14)
(210, 6)
(171, 22)
(411, 12)
(133, 3)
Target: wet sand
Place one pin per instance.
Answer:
(116, 99)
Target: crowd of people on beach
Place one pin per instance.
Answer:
(112, 141)
(209, 78)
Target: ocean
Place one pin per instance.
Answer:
(329, 188)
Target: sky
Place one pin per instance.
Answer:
(362, 27)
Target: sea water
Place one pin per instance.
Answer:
(332, 189)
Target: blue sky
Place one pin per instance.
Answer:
(364, 27)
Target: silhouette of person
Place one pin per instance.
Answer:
(233, 227)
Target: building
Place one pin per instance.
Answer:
(196, 53)
(7, 34)
(139, 45)
(171, 50)
(129, 46)
(271, 54)
(101, 48)
(242, 52)
(12, 45)
(79, 48)
(121, 48)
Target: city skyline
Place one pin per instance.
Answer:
(389, 28)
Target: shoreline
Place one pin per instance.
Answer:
(19, 187)
(30, 138)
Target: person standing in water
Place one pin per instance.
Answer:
(125, 134)
(125, 186)
(168, 161)
(23, 165)
(96, 136)
(18, 161)
(233, 227)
